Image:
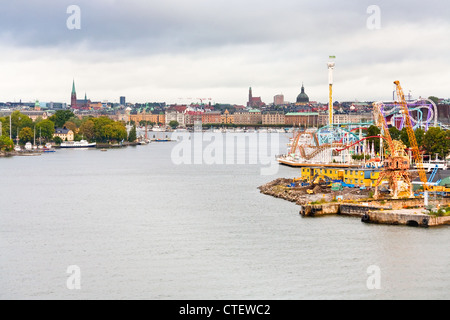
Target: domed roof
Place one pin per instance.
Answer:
(302, 97)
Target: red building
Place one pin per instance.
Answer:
(254, 102)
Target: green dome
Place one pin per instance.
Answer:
(302, 97)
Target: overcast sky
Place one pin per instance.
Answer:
(180, 50)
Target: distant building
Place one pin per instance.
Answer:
(227, 118)
(278, 100)
(302, 98)
(306, 119)
(254, 102)
(273, 117)
(73, 97)
(212, 117)
(191, 117)
(64, 133)
(250, 117)
(122, 100)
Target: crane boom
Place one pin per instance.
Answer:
(381, 121)
(411, 135)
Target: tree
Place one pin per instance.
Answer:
(71, 126)
(395, 133)
(106, 130)
(6, 144)
(18, 122)
(61, 117)
(57, 140)
(26, 135)
(434, 99)
(45, 129)
(173, 124)
(132, 134)
(435, 142)
(87, 130)
(373, 131)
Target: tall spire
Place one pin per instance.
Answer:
(73, 97)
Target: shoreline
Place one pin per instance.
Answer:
(315, 201)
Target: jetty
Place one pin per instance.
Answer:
(316, 201)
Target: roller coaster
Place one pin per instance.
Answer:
(341, 137)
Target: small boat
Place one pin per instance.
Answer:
(103, 149)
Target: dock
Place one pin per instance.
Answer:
(373, 212)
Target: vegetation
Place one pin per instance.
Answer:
(132, 136)
(6, 144)
(61, 117)
(434, 141)
(26, 135)
(173, 124)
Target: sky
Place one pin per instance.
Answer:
(181, 51)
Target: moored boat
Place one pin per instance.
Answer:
(78, 144)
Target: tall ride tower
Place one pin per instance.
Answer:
(330, 65)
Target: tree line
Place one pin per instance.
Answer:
(24, 129)
(434, 141)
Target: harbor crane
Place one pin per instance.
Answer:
(396, 164)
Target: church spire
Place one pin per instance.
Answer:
(73, 87)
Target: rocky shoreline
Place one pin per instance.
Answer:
(290, 190)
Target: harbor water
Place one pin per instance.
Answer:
(139, 224)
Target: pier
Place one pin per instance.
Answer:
(389, 213)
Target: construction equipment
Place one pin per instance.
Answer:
(396, 164)
(411, 136)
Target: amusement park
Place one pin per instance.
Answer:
(379, 174)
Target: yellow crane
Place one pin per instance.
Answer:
(411, 136)
(395, 166)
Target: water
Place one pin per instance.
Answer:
(140, 227)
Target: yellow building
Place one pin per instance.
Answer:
(357, 177)
(64, 133)
(227, 118)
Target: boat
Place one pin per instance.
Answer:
(103, 149)
(78, 144)
(436, 163)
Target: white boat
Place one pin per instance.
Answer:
(17, 148)
(432, 164)
(157, 129)
(28, 146)
(78, 144)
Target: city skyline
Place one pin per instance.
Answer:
(171, 51)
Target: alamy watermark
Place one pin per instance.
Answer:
(73, 22)
(209, 148)
(374, 280)
(74, 280)
(374, 20)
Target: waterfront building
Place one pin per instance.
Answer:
(227, 118)
(358, 177)
(273, 117)
(306, 119)
(212, 117)
(191, 117)
(250, 117)
(149, 117)
(64, 133)
(176, 113)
